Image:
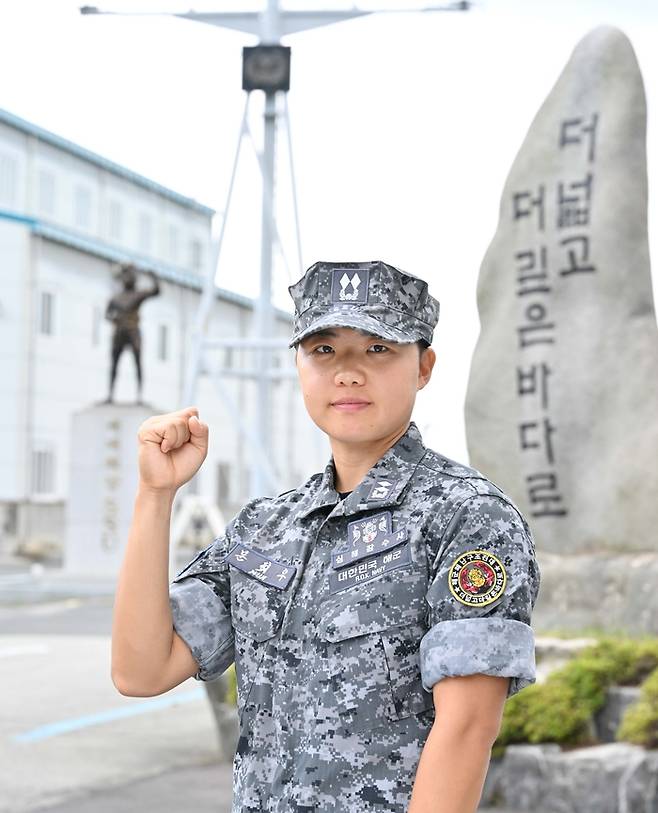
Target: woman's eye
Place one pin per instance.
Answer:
(320, 349)
(378, 348)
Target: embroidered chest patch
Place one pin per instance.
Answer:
(370, 568)
(266, 570)
(366, 537)
(476, 578)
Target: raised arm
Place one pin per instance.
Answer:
(148, 656)
(155, 285)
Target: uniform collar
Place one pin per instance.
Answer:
(383, 484)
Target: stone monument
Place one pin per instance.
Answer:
(562, 401)
(103, 483)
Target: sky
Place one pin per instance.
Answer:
(404, 127)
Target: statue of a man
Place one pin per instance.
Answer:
(123, 311)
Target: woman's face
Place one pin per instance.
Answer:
(358, 387)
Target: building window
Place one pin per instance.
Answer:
(43, 471)
(82, 207)
(96, 319)
(163, 342)
(196, 255)
(46, 192)
(47, 313)
(223, 483)
(145, 235)
(173, 244)
(115, 220)
(7, 180)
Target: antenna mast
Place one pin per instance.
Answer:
(265, 67)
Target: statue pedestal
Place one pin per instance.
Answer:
(103, 483)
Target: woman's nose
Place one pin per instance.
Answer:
(349, 375)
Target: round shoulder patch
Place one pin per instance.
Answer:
(476, 578)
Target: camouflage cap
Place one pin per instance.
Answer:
(370, 296)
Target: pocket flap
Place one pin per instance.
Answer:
(355, 619)
(260, 591)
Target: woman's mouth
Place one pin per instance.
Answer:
(350, 404)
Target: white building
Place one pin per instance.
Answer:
(67, 217)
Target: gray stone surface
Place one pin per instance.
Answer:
(608, 592)
(553, 653)
(611, 778)
(607, 719)
(103, 482)
(562, 401)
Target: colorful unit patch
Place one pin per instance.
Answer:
(477, 578)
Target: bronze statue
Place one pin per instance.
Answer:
(123, 311)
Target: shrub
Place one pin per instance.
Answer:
(639, 724)
(560, 710)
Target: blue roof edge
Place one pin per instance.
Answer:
(111, 166)
(104, 251)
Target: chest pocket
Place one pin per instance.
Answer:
(372, 634)
(259, 597)
(260, 591)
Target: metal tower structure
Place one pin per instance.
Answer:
(266, 67)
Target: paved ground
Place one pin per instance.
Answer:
(200, 789)
(197, 789)
(70, 742)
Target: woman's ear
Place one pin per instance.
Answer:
(425, 366)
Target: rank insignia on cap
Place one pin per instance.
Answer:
(477, 578)
(350, 285)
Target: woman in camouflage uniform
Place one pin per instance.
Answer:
(378, 615)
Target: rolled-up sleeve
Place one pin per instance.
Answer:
(484, 581)
(200, 600)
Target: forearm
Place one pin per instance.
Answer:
(451, 771)
(142, 628)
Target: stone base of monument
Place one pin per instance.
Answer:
(610, 778)
(597, 592)
(103, 481)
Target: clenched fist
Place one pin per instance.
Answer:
(171, 449)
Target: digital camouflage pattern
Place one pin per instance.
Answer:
(373, 296)
(334, 682)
